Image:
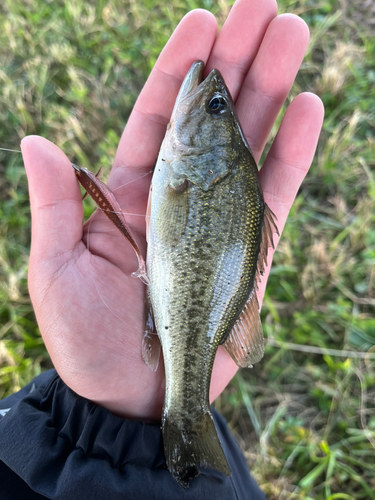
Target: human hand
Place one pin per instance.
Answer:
(88, 307)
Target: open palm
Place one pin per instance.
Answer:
(89, 308)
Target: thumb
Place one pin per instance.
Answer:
(55, 200)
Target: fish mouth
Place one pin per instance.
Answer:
(194, 86)
(193, 78)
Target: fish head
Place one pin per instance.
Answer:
(204, 137)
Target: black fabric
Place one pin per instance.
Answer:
(55, 444)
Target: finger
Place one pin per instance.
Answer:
(238, 41)
(55, 199)
(289, 160)
(223, 371)
(270, 78)
(140, 142)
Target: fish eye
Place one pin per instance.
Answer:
(217, 105)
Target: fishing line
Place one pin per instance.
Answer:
(89, 228)
(133, 180)
(91, 271)
(126, 184)
(11, 150)
(123, 213)
(135, 215)
(118, 187)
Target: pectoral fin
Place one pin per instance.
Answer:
(245, 343)
(174, 213)
(151, 346)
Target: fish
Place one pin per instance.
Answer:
(208, 233)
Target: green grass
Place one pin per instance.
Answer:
(71, 72)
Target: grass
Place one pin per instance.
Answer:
(304, 418)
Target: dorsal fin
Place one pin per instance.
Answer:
(245, 343)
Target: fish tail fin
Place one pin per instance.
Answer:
(186, 448)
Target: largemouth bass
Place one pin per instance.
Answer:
(208, 232)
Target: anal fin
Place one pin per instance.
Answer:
(245, 343)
